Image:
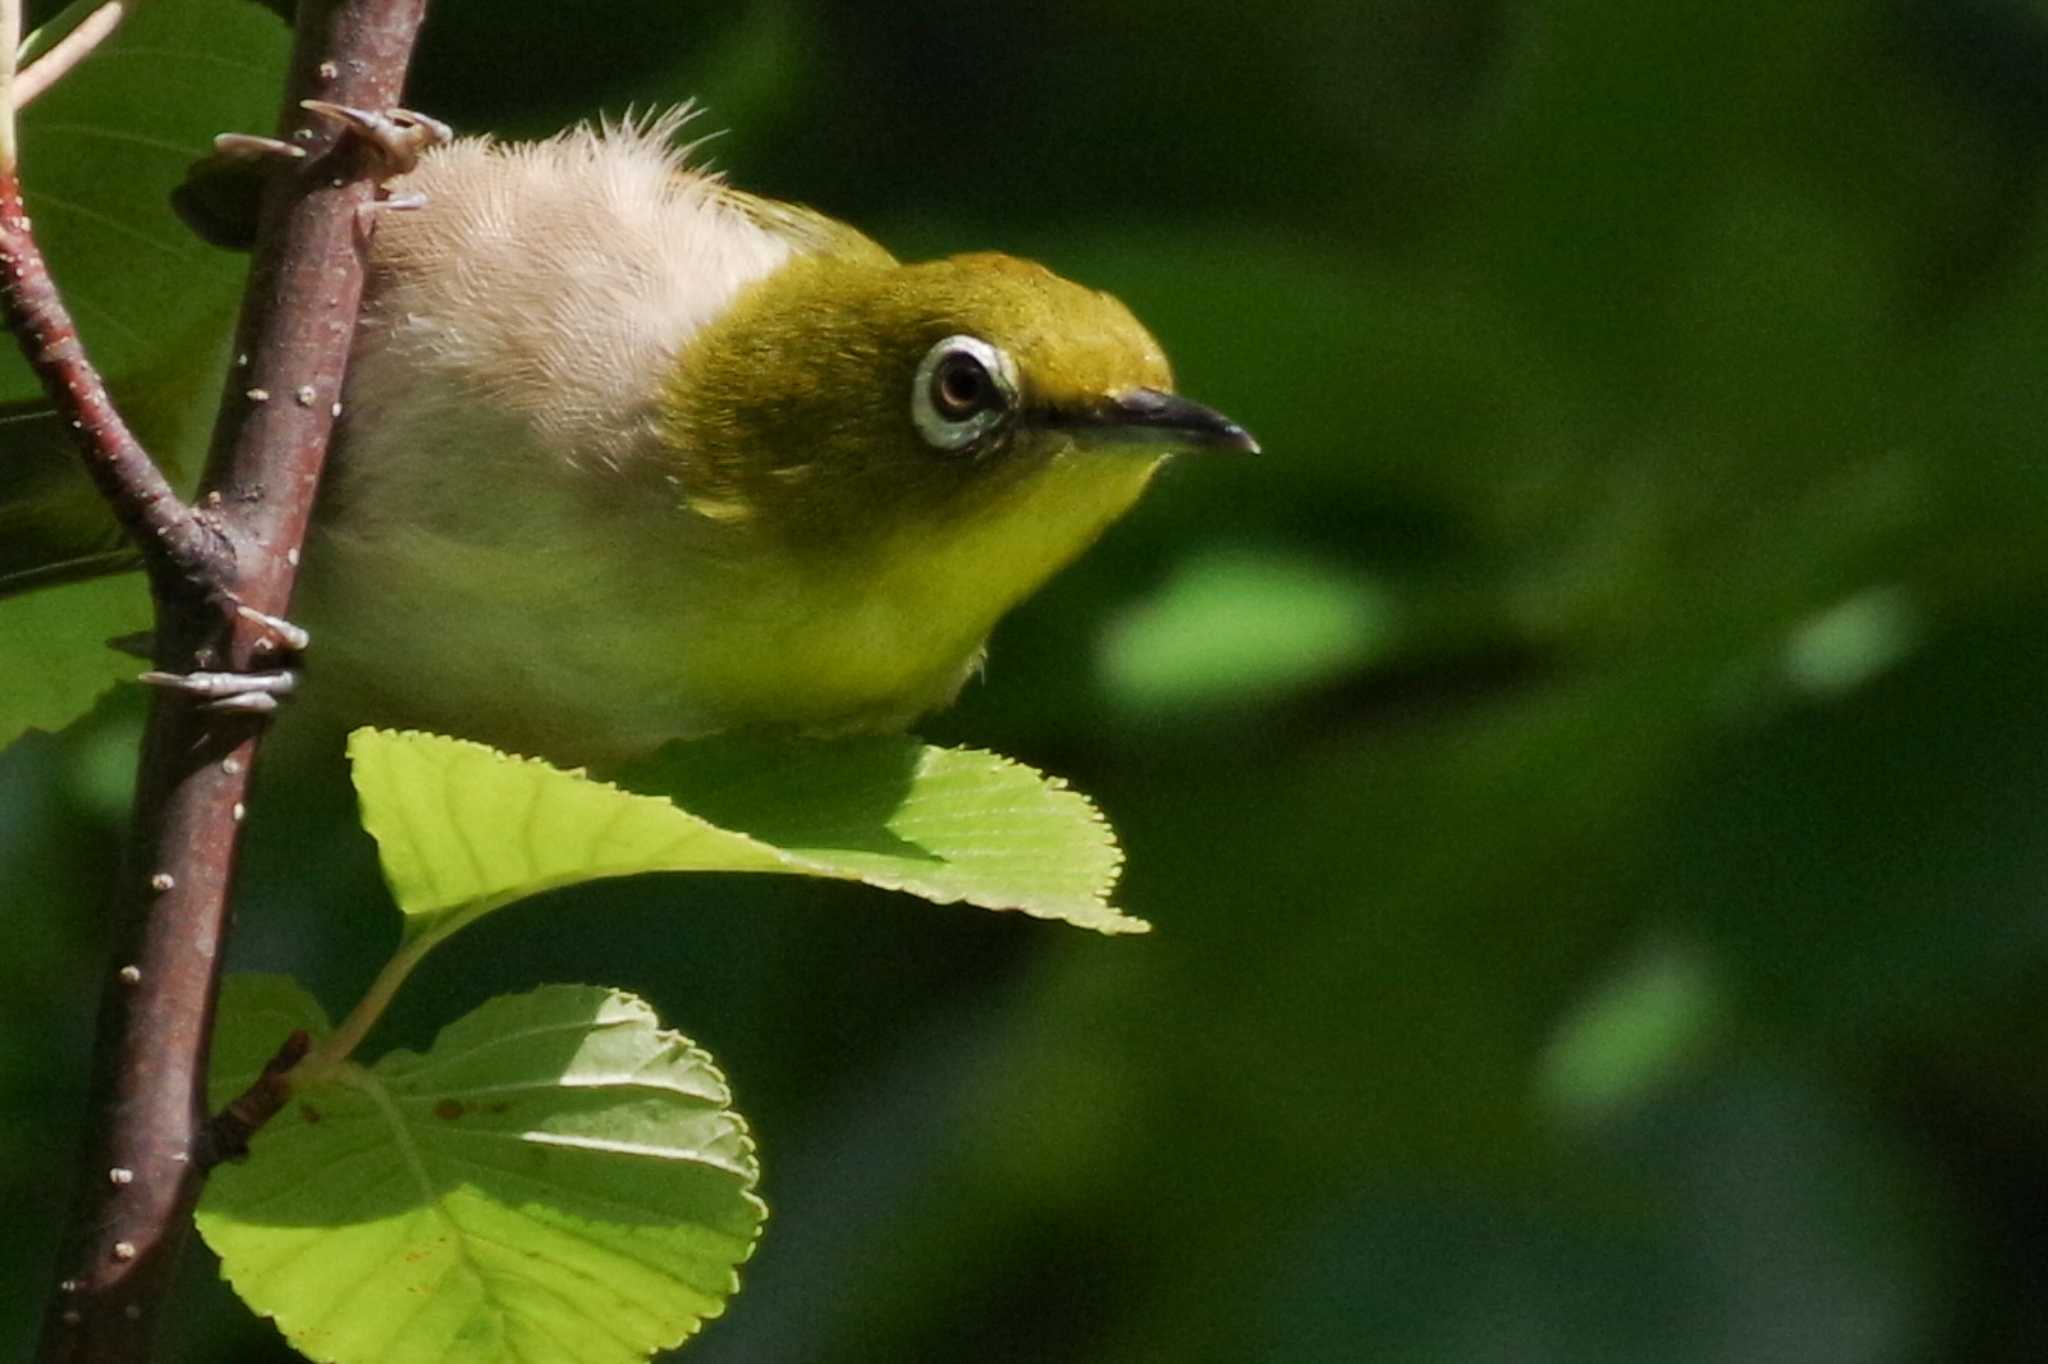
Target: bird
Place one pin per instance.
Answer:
(628, 455)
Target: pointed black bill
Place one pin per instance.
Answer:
(1146, 416)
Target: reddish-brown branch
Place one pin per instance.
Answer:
(145, 1144)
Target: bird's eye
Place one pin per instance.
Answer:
(960, 386)
(965, 389)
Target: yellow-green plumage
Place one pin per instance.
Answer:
(839, 339)
(628, 456)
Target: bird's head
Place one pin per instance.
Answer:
(853, 407)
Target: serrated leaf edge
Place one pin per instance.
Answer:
(458, 915)
(377, 1087)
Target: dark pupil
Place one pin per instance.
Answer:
(962, 388)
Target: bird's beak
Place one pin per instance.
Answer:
(1147, 416)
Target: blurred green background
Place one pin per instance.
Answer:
(1589, 776)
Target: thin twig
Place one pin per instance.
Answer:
(145, 1144)
(69, 50)
(339, 1045)
(10, 52)
(227, 1135)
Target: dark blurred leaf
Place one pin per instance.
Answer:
(56, 659)
(101, 152)
(1882, 862)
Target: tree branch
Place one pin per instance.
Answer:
(141, 1160)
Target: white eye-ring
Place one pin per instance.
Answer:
(965, 388)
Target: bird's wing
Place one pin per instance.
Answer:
(807, 231)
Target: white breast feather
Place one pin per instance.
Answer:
(555, 282)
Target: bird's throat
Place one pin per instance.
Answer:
(871, 640)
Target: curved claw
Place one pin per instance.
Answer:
(396, 137)
(244, 693)
(245, 147)
(284, 635)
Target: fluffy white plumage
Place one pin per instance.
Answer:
(502, 394)
(587, 261)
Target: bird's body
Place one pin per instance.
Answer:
(626, 456)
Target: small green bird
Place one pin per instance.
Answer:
(626, 455)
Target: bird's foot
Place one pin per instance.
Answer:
(405, 201)
(249, 149)
(219, 195)
(394, 138)
(255, 692)
(278, 634)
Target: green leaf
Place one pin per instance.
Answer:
(946, 824)
(56, 661)
(463, 829)
(558, 1178)
(155, 306)
(101, 152)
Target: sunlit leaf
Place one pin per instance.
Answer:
(557, 1178)
(463, 829)
(947, 824)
